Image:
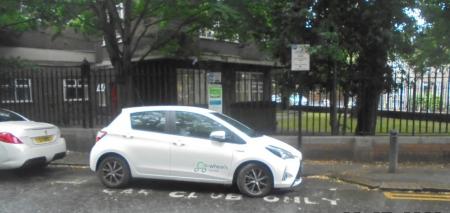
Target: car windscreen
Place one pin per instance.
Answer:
(9, 116)
(238, 125)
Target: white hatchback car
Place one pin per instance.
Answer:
(192, 144)
(25, 143)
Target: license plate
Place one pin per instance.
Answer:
(43, 139)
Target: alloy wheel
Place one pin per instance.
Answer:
(114, 172)
(255, 180)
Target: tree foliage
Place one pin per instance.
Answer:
(432, 40)
(355, 37)
(131, 29)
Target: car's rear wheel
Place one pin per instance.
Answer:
(254, 180)
(114, 172)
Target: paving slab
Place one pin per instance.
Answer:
(409, 176)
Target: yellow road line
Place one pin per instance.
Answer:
(417, 196)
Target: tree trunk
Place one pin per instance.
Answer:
(285, 102)
(333, 105)
(344, 125)
(368, 99)
(124, 81)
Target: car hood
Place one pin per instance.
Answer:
(266, 141)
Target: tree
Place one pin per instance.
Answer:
(432, 41)
(12, 17)
(131, 29)
(353, 37)
(17, 19)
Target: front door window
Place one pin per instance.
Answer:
(194, 125)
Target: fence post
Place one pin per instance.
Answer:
(393, 151)
(86, 76)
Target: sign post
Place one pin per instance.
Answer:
(300, 62)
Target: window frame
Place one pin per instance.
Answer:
(77, 86)
(192, 86)
(15, 86)
(249, 86)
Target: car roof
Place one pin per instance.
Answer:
(166, 108)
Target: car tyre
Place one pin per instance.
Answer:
(114, 172)
(254, 180)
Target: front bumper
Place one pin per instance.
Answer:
(289, 180)
(299, 176)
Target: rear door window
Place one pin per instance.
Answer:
(152, 121)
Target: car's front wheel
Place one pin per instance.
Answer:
(254, 180)
(114, 172)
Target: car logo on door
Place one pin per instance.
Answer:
(201, 167)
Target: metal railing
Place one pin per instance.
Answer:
(59, 95)
(418, 105)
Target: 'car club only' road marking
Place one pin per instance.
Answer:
(231, 197)
(417, 196)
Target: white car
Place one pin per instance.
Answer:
(192, 144)
(25, 143)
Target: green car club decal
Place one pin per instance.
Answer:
(205, 167)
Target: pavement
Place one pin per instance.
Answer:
(426, 177)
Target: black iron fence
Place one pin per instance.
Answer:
(59, 95)
(86, 96)
(418, 105)
(69, 97)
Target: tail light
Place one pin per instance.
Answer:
(7, 137)
(100, 135)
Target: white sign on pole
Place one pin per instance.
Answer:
(215, 94)
(299, 57)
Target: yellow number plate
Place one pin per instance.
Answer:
(43, 139)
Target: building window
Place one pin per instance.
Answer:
(75, 90)
(191, 87)
(249, 86)
(213, 34)
(16, 91)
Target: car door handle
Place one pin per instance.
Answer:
(178, 144)
(127, 136)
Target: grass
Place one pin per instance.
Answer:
(318, 123)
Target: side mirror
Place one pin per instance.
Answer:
(218, 136)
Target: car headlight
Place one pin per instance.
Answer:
(280, 152)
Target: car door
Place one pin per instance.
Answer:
(193, 155)
(149, 143)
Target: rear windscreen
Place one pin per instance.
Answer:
(8, 116)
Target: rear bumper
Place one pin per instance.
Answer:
(21, 155)
(42, 160)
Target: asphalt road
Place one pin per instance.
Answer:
(71, 189)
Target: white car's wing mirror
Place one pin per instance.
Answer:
(218, 136)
